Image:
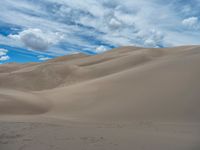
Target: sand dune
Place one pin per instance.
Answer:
(18, 102)
(126, 98)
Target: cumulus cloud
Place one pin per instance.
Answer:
(37, 39)
(151, 38)
(4, 58)
(3, 54)
(43, 58)
(101, 49)
(114, 23)
(192, 22)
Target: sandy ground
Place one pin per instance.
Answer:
(127, 98)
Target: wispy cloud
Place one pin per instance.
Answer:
(92, 26)
(3, 55)
(43, 58)
(191, 23)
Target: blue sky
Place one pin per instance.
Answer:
(37, 30)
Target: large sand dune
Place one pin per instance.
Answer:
(126, 98)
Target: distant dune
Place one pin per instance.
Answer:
(126, 98)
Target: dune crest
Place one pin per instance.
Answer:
(68, 70)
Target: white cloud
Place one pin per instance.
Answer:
(37, 39)
(4, 58)
(43, 58)
(114, 24)
(192, 22)
(101, 49)
(91, 23)
(152, 38)
(117, 21)
(3, 54)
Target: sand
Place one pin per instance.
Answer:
(126, 98)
